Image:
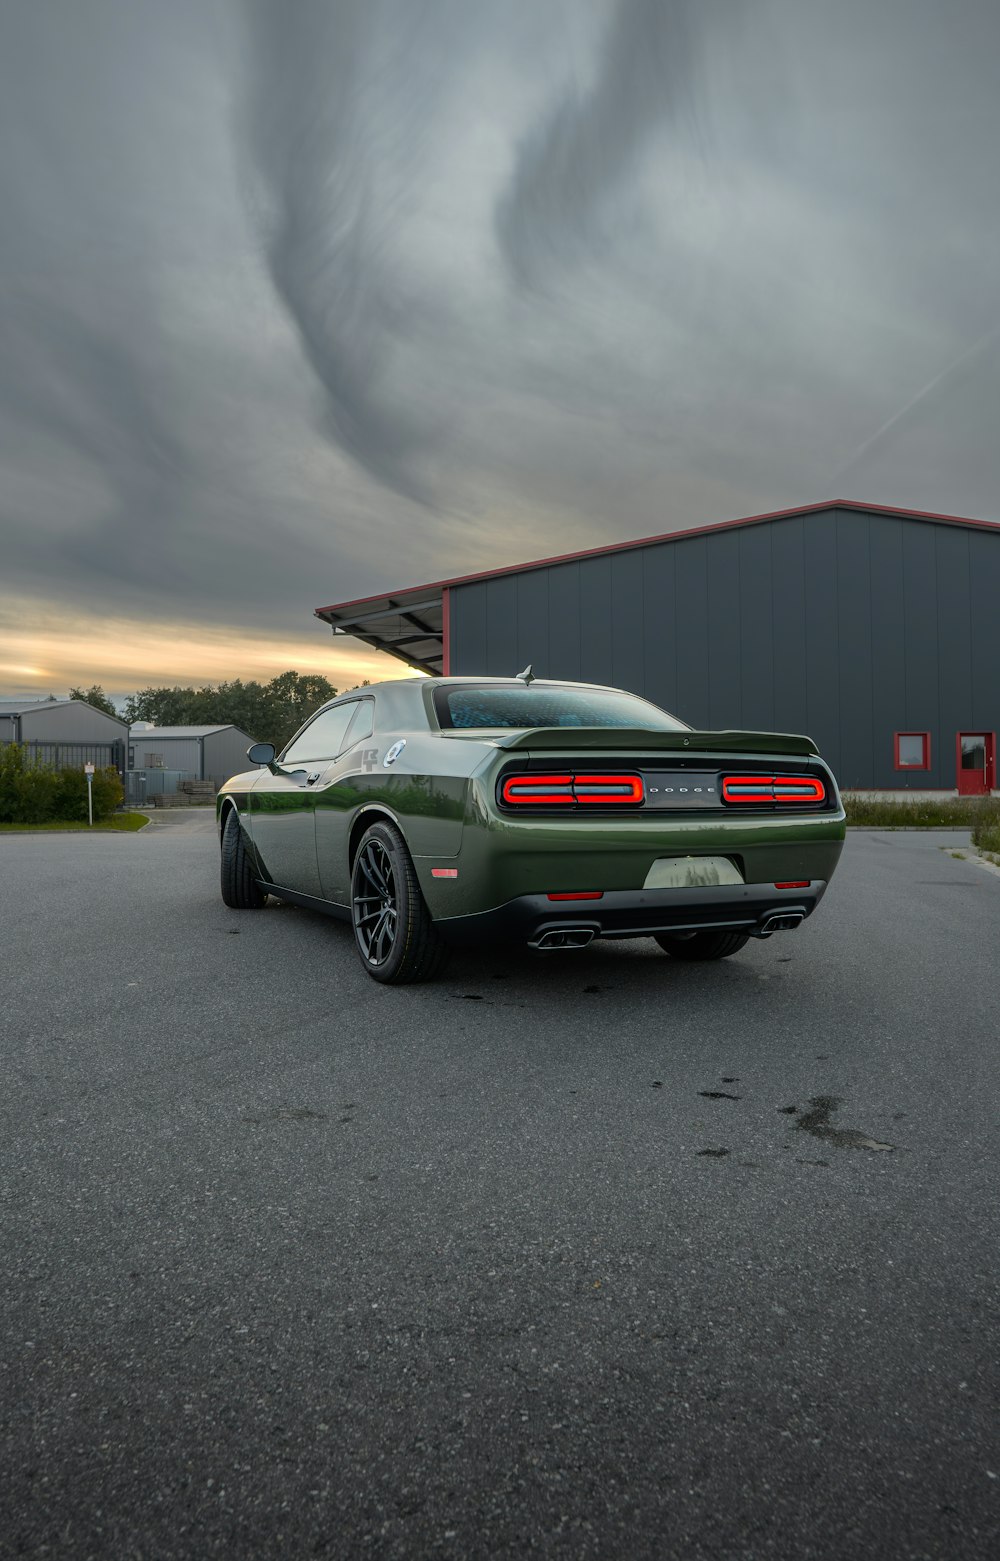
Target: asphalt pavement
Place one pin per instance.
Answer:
(578, 1255)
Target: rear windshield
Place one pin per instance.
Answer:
(534, 706)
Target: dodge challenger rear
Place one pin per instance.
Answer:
(577, 831)
(450, 811)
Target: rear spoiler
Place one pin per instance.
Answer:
(618, 739)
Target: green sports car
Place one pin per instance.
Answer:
(449, 811)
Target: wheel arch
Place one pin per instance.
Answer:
(368, 816)
(227, 806)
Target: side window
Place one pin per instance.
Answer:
(363, 723)
(324, 737)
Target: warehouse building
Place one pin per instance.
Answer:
(200, 753)
(64, 732)
(874, 630)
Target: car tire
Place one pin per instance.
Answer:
(240, 889)
(393, 930)
(702, 945)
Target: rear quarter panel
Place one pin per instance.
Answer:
(425, 790)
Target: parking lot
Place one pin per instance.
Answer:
(587, 1254)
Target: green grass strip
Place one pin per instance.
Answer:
(117, 824)
(876, 812)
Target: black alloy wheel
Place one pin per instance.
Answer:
(375, 908)
(393, 929)
(240, 889)
(709, 944)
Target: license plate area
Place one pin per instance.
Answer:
(692, 872)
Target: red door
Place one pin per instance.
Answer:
(976, 763)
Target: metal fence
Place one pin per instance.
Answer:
(139, 785)
(76, 755)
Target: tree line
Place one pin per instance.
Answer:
(268, 712)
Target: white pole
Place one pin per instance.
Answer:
(90, 800)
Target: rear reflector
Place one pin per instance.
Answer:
(589, 895)
(794, 883)
(772, 788)
(444, 872)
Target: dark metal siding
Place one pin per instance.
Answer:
(725, 681)
(564, 621)
(984, 590)
(692, 628)
(595, 620)
(844, 624)
(888, 672)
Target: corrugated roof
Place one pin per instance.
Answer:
(182, 731)
(30, 706)
(412, 624)
(20, 706)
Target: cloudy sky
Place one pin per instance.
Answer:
(305, 301)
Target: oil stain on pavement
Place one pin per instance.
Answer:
(817, 1122)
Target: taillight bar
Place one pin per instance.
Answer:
(593, 790)
(530, 790)
(772, 788)
(608, 788)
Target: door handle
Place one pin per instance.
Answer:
(311, 779)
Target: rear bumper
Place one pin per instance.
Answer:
(630, 913)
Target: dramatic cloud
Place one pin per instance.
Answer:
(304, 301)
(331, 121)
(572, 170)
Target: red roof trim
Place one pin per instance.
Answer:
(666, 536)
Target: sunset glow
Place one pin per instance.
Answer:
(44, 650)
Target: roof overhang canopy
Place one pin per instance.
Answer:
(407, 624)
(413, 624)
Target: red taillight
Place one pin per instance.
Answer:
(794, 883)
(534, 789)
(589, 894)
(798, 788)
(772, 788)
(747, 788)
(594, 790)
(608, 788)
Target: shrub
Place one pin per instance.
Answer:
(108, 792)
(34, 793)
(27, 787)
(71, 794)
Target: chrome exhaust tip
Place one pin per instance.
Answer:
(563, 938)
(780, 921)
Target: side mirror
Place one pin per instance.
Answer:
(261, 753)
